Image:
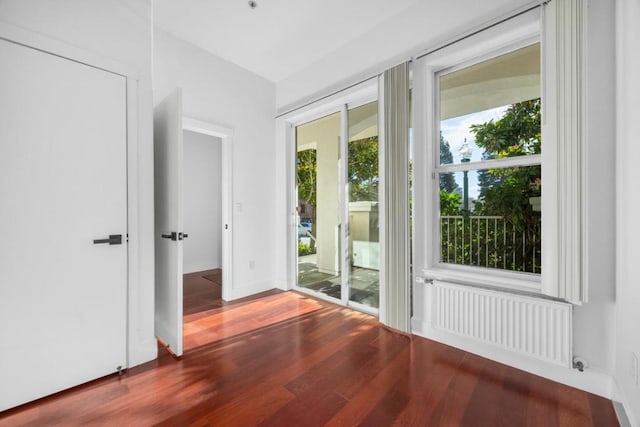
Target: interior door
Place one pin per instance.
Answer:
(168, 154)
(63, 186)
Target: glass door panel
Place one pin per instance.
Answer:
(363, 178)
(319, 206)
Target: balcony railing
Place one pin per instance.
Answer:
(492, 242)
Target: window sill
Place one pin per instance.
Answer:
(486, 278)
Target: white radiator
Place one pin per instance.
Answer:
(536, 327)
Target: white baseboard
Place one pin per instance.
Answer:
(282, 285)
(625, 415)
(195, 268)
(249, 289)
(591, 380)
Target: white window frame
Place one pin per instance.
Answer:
(560, 26)
(516, 33)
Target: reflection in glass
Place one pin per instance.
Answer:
(317, 167)
(363, 178)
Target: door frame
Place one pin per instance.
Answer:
(226, 135)
(342, 102)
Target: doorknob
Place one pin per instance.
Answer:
(114, 239)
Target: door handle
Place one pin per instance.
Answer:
(114, 239)
(175, 236)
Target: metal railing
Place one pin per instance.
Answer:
(492, 242)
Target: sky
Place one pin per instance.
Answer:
(456, 129)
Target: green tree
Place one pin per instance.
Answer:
(363, 173)
(447, 181)
(506, 191)
(516, 133)
(307, 172)
(363, 169)
(449, 203)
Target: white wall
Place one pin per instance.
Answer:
(594, 321)
(222, 93)
(202, 202)
(427, 24)
(120, 31)
(627, 204)
(423, 25)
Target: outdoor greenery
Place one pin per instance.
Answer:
(362, 173)
(363, 169)
(450, 198)
(502, 230)
(305, 249)
(307, 171)
(507, 191)
(447, 181)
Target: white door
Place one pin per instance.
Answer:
(63, 184)
(168, 154)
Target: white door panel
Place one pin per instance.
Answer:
(168, 161)
(63, 299)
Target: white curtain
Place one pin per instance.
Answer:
(564, 154)
(395, 294)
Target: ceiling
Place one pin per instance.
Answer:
(503, 80)
(278, 37)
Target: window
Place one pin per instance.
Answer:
(478, 158)
(497, 114)
(489, 174)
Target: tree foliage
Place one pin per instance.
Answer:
(516, 133)
(447, 181)
(511, 240)
(307, 172)
(363, 169)
(362, 172)
(506, 191)
(449, 203)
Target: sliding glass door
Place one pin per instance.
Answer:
(362, 183)
(319, 224)
(337, 233)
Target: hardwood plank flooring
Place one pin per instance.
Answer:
(232, 320)
(203, 292)
(328, 366)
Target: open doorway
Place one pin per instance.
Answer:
(169, 129)
(202, 255)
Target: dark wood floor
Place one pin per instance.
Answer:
(329, 366)
(203, 292)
